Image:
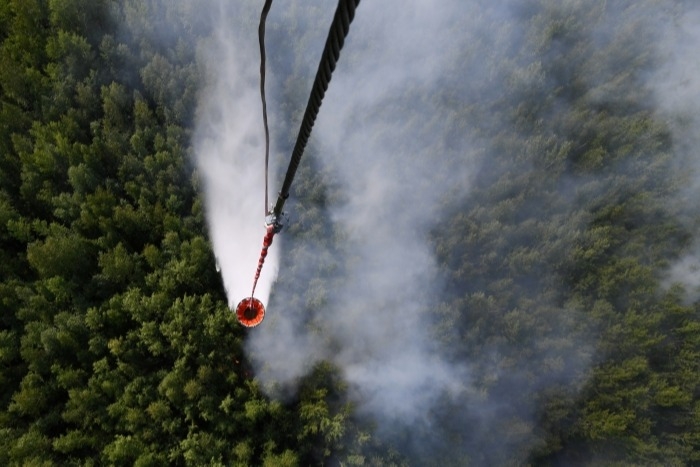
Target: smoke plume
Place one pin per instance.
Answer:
(390, 163)
(376, 313)
(676, 84)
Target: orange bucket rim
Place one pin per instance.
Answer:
(250, 312)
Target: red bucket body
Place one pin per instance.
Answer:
(250, 312)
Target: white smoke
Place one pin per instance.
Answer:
(384, 141)
(676, 84)
(376, 322)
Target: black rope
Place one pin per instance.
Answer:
(261, 39)
(344, 14)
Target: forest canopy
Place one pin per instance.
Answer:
(565, 258)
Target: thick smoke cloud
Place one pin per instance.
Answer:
(388, 159)
(375, 323)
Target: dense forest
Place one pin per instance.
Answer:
(117, 345)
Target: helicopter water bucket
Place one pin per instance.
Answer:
(250, 312)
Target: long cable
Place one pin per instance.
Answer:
(261, 40)
(344, 14)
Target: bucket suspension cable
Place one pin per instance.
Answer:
(250, 311)
(344, 14)
(261, 40)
